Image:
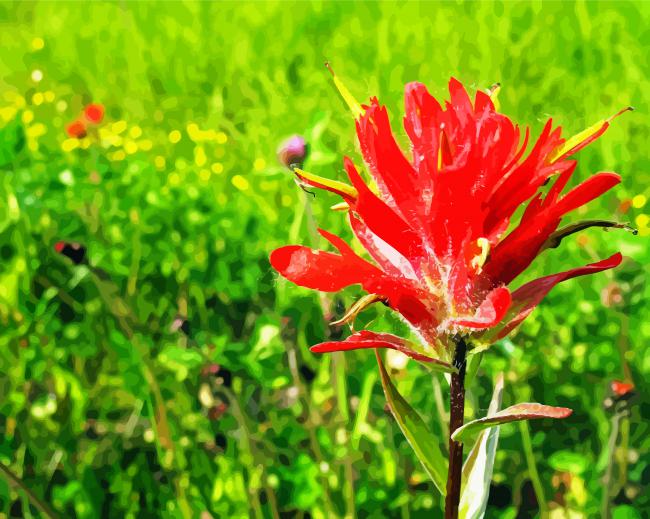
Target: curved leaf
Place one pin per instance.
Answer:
(477, 470)
(422, 440)
(526, 411)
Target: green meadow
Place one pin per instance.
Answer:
(165, 370)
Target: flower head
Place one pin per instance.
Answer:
(439, 226)
(94, 113)
(292, 152)
(621, 389)
(76, 129)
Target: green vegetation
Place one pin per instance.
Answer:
(168, 373)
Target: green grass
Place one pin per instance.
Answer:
(107, 411)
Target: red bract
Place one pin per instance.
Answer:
(76, 130)
(437, 225)
(621, 389)
(94, 113)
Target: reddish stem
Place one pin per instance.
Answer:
(456, 418)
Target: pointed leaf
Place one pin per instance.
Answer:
(526, 411)
(422, 440)
(477, 470)
(366, 339)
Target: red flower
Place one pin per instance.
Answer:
(436, 225)
(621, 389)
(94, 113)
(76, 129)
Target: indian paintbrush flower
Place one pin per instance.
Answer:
(439, 226)
(76, 129)
(448, 230)
(93, 114)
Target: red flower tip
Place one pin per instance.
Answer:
(76, 129)
(621, 389)
(94, 113)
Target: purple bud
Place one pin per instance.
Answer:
(293, 151)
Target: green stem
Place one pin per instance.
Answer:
(532, 469)
(15, 481)
(440, 406)
(605, 512)
(247, 448)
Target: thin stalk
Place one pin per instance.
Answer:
(310, 424)
(339, 373)
(440, 406)
(247, 447)
(15, 481)
(456, 419)
(532, 469)
(605, 512)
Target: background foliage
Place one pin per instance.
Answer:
(169, 374)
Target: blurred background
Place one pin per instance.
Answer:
(152, 364)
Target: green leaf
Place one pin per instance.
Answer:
(12, 141)
(477, 470)
(525, 411)
(566, 461)
(422, 440)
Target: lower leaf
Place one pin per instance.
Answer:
(424, 443)
(478, 467)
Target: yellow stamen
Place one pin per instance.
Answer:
(479, 260)
(353, 104)
(574, 141)
(493, 92)
(444, 150)
(343, 206)
(334, 185)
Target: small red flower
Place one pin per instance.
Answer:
(438, 225)
(621, 389)
(94, 113)
(74, 251)
(76, 129)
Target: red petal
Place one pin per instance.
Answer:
(367, 339)
(528, 296)
(389, 259)
(422, 120)
(391, 170)
(591, 188)
(381, 219)
(490, 313)
(515, 252)
(320, 270)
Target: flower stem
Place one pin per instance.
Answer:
(605, 511)
(532, 469)
(456, 418)
(15, 481)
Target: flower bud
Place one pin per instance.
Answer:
(76, 129)
(293, 152)
(621, 389)
(94, 113)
